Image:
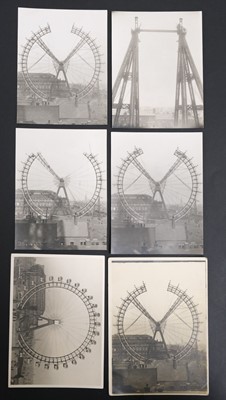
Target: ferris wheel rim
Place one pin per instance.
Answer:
(184, 298)
(91, 332)
(83, 210)
(44, 31)
(131, 158)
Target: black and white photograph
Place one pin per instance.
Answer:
(60, 196)
(158, 326)
(56, 321)
(62, 67)
(157, 69)
(156, 193)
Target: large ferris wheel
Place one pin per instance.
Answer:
(72, 77)
(171, 337)
(72, 195)
(171, 197)
(63, 329)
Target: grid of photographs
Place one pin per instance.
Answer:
(150, 149)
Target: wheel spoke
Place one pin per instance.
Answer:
(176, 304)
(142, 309)
(75, 50)
(70, 329)
(180, 183)
(178, 328)
(79, 208)
(44, 47)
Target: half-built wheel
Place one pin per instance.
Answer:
(48, 195)
(147, 338)
(171, 197)
(50, 76)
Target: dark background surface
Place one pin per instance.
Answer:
(214, 184)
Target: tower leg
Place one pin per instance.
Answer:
(186, 73)
(129, 72)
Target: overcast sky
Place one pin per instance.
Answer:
(60, 40)
(156, 276)
(89, 272)
(157, 51)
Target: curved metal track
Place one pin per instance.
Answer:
(98, 188)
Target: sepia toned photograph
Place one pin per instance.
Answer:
(56, 321)
(158, 326)
(62, 67)
(60, 194)
(157, 69)
(156, 193)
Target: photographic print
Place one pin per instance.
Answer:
(60, 197)
(156, 193)
(56, 321)
(62, 67)
(158, 326)
(157, 70)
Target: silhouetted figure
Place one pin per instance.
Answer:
(146, 388)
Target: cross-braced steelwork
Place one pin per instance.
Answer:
(76, 80)
(172, 344)
(60, 205)
(170, 209)
(186, 74)
(128, 113)
(64, 329)
(129, 72)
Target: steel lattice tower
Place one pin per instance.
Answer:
(186, 74)
(128, 78)
(129, 71)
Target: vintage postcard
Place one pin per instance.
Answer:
(158, 326)
(60, 196)
(156, 193)
(56, 321)
(62, 67)
(157, 69)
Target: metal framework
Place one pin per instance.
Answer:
(157, 187)
(186, 74)
(158, 327)
(128, 75)
(61, 66)
(129, 71)
(66, 209)
(59, 328)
